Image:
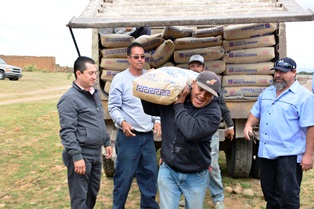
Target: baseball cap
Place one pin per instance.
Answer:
(209, 81)
(197, 58)
(285, 64)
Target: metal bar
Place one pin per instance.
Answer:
(77, 49)
(236, 19)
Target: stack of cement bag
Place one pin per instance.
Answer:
(249, 51)
(240, 54)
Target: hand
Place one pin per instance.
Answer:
(183, 94)
(127, 129)
(247, 132)
(80, 167)
(229, 133)
(108, 152)
(160, 161)
(150, 70)
(307, 162)
(157, 130)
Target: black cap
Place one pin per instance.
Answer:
(285, 64)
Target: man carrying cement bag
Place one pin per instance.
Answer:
(187, 127)
(215, 186)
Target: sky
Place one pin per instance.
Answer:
(38, 28)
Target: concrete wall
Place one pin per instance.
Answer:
(41, 63)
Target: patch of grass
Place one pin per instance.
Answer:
(32, 157)
(33, 82)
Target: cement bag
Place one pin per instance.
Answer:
(114, 52)
(163, 85)
(150, 41)
(192, 42)
(107, 75)
(247, 80)
(173, 32)
(241, 31)
(107, 87)
(251, 68)
(216, 66)
(116, 40)
(118, 64)
(207, 32)
(240, 92)
(162, 54)
(262, 54)
(168, 64)
(249, 43)
(209, 53)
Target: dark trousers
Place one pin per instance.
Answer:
(83, 188)
(136, 156)
(281, 180)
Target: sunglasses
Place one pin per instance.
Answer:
(137, 57)
(284, 65)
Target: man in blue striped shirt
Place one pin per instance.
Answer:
(286, 127)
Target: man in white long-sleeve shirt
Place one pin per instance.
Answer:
(136, 155)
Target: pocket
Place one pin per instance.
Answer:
(88, 168)
(81, 135)
(202, 173)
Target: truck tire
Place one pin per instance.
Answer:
(2, 75)
(108, 165)
(13, 79)
(239, 158)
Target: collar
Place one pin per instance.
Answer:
(91, 90)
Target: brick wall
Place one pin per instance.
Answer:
(42, 63)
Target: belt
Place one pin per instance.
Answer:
(140, 132)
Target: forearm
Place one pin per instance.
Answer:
(227, 118)
(309, 150)
(251, 121)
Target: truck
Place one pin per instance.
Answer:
(104, 15)
(9, 71)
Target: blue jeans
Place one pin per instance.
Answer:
(215, 184)
(172, 184)
(280, 181)
(136, 156)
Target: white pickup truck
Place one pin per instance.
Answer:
(9, 71)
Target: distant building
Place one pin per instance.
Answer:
(42, 63)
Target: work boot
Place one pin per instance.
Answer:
(219, 205)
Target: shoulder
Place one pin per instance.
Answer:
(214, 105)
(121, 76)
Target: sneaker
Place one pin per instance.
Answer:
(219, 205)
(182, 203)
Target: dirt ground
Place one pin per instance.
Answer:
(232, 200)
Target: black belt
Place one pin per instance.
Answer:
(139, 132)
